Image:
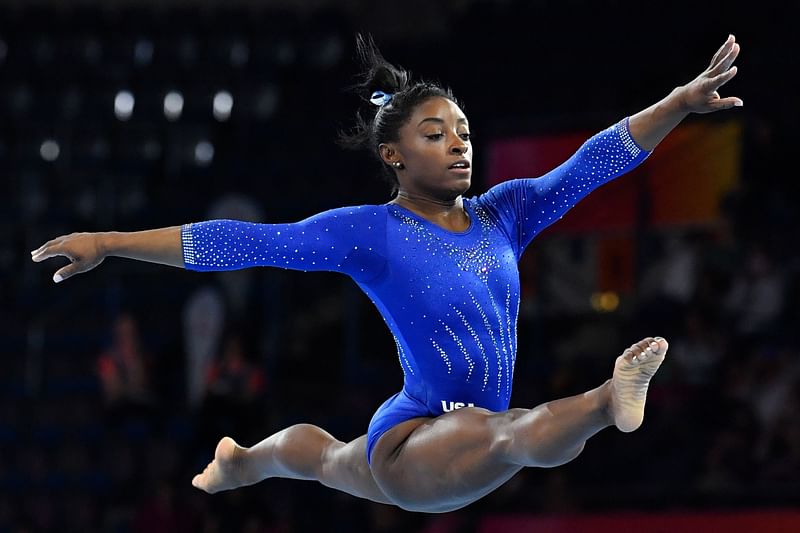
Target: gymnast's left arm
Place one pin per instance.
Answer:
(650, 126)
(525, 207)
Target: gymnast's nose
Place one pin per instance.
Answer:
(459, 147)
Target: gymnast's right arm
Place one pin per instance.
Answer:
(350, 240)
(87, 250)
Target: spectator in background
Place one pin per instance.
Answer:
(233, 377)
(680, 264)
(774, 393)
(756, 296)
(670, 282)
(233, 389)
(730, 459)
(203, 323)
(782, 457)
(698, 349)
(123, 369)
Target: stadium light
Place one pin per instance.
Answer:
(49, 150)
(203, 153)
(123, 105)
(223, 104)
(173, 105)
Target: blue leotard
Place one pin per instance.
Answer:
(450, 299)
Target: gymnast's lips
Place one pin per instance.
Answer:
(461, 164)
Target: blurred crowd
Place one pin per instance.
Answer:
(117, 385)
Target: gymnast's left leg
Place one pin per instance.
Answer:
(301, 451)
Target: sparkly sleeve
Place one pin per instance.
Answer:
(350, 240)
(526, 206)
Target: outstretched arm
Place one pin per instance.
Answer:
(527, 206)
(349, 240)
(650, 126)
(87, 250)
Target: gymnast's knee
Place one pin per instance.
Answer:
(302, 450)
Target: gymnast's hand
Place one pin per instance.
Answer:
(700, 95)
(84, 250)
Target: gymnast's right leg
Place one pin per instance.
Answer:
(441, 464)
(302, 451)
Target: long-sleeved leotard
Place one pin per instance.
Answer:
(450, 299)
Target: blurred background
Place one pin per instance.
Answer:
(125, 115)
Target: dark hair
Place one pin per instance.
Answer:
(381, 124)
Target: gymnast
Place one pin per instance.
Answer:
(442, 271)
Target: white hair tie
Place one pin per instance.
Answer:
(380, 98)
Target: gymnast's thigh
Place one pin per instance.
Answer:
(444, 463)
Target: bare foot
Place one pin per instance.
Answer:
(226, 471)
(632, 373)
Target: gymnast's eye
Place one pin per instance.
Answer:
(435, 136)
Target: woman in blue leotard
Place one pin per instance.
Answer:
(442, 271)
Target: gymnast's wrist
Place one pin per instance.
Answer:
(676, 103)
(105, 243)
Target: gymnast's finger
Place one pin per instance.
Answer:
(712, 84)
(726, 103)
(721, 52)
(726, 62)
(51, 251)
(45, 245)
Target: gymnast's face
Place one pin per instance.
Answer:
(435, 151)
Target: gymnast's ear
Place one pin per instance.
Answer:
(387, 152)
